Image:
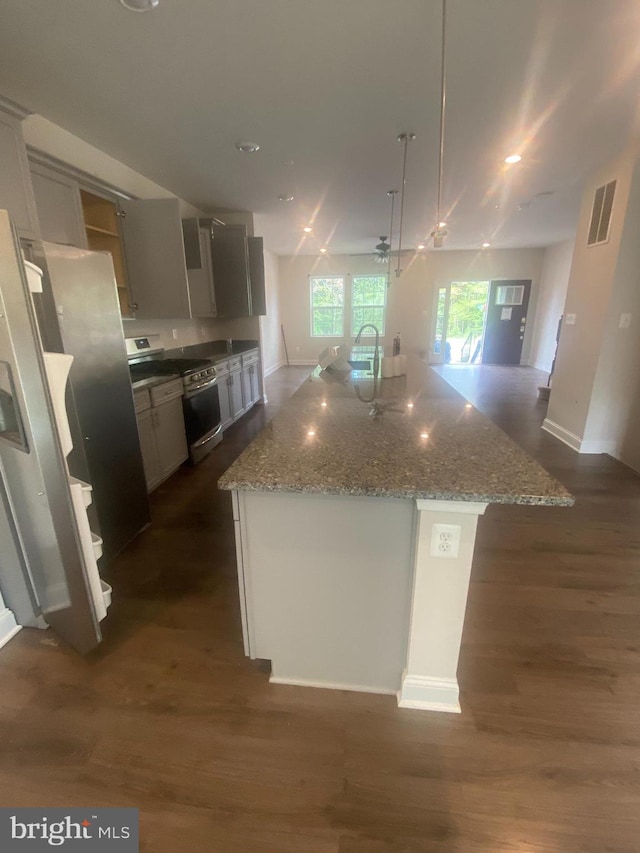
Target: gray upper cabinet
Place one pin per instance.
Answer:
(256, 276)
(230, 264)
(154, 247)
(16, 194)
(59, 207)
(197, 247)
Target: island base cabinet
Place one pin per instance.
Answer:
(346, 593)
(325, 587)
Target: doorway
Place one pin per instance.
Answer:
(459, 320)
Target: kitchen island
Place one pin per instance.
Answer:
(355, 516)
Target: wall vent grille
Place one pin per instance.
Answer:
(601, 214)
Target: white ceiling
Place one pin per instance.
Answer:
(328, 85)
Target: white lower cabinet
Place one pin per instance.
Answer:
(163, 441)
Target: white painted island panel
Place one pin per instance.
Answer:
(326, 587)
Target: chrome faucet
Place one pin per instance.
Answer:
(376, 357)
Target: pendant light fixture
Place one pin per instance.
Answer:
(405, 139)
(440, 231)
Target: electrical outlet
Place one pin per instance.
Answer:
(570, 319)
(445, 540)
(625, 321)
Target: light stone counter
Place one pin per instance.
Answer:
(355, 534)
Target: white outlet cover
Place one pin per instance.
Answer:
(570, 319)
(445, 540)
(625, 321)
(174, 334)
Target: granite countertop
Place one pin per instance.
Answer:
(151, 381)
(429, 444)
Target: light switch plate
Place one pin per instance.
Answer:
(625, 321)
(570, 319)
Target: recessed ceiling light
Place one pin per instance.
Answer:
(486, 245)
(513, 158)
(420, 245)
(307, 229)
(285, 198)
(323, 251)
(139, 5)
(442, 224)
(424, 435)
(247, 147)
(524, 205)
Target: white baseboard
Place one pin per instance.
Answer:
(575, 442)
(302, 363)
(544, 366)
(569, 438)
(8, 626)
(429, 694)
(273, 368)
(331, 685)
(601, 446)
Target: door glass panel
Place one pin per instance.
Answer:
(509, 295)
(11, 428)
(441, 309)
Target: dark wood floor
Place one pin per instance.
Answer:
(170, 717)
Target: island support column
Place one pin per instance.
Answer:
(438, 603)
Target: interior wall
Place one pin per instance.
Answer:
(613, 423)
(589, 294)
(554, 280)
(409, 298)
(188, 332)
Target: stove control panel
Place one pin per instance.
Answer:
(202, 375)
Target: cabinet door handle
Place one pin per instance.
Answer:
(121, 213)
(134, 306)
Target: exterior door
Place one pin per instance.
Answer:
(506, 321)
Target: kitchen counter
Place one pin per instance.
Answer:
(355, 534)
(152, 381)
(325, 441)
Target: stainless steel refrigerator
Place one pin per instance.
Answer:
(47, 571)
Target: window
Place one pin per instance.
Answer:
(369, 297)
(327, 306)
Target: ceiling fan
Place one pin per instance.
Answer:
(381, 254)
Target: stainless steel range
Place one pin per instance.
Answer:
(201, 401)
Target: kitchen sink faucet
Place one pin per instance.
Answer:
(376, 357)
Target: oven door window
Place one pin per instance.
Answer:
(201, 413)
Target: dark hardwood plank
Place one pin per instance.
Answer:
(170, 717)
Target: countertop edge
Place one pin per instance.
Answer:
(520, 500)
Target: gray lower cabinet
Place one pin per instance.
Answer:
(170, 436)
(163, 442)
(250, 379)
(225, 401)
(235, 394)
(150, 458)
(16, 193)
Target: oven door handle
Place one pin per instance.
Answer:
(209, 437)
(194, 389)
